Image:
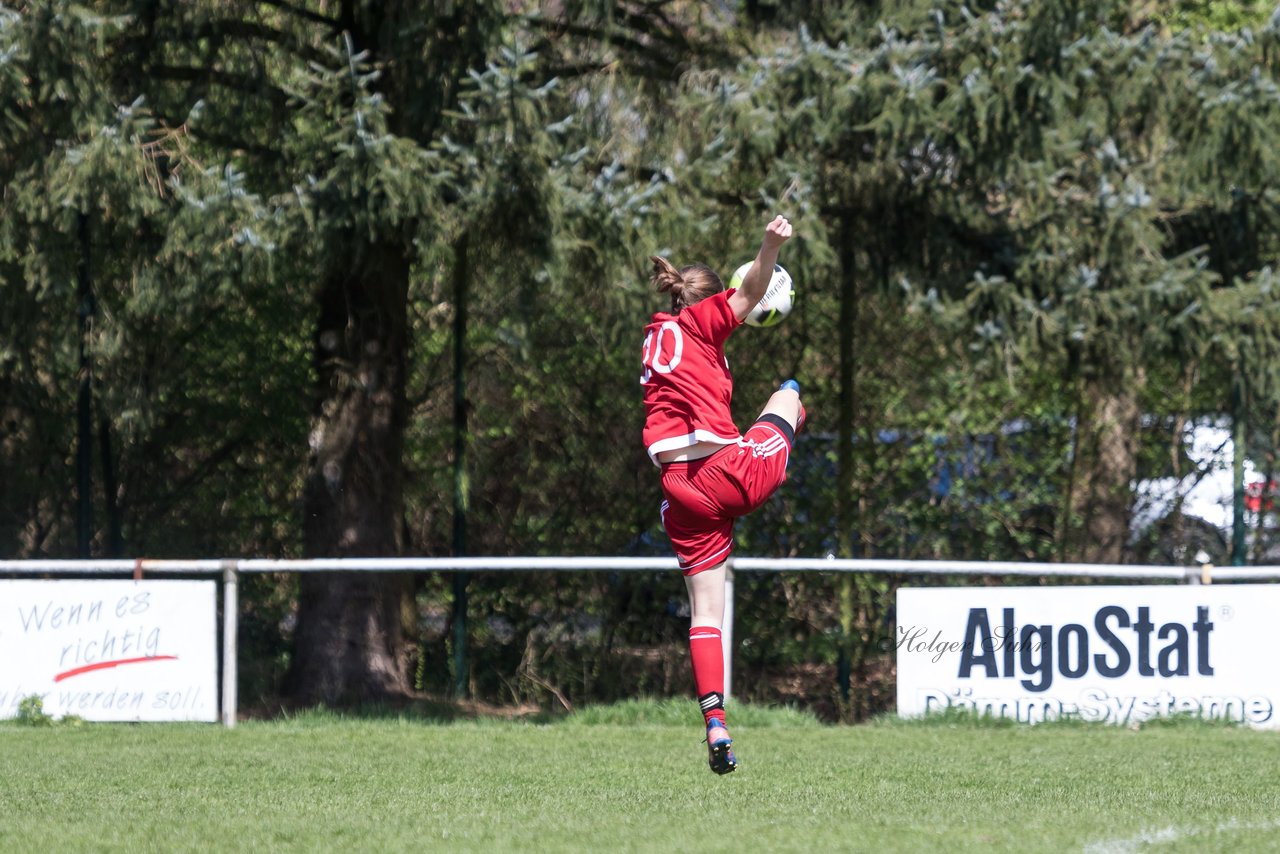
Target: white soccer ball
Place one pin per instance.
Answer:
(778, 297)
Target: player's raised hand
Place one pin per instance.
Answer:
(777, 232)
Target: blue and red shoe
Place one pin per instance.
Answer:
(720, 748)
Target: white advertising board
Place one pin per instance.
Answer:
(110, 650)
(1119, 654)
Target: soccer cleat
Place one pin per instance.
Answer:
(720, 748)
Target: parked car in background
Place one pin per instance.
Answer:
(1189, 519)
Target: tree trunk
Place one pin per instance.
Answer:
(1103, 500)
(847, 515)
(350, 638)
(351, 643)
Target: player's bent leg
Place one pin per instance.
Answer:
(795, 386)
(785, 403)
(760, 466)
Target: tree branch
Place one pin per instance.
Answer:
(306, 14)
(232, 143)
(613, 37)
(635, 54)
(228, 79)
(253, 30)
(184, 484)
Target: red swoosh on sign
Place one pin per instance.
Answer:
(104, 665)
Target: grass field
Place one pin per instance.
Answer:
(634, 778)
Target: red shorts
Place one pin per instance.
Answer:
(705, 496)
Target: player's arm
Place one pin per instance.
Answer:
(756, 282)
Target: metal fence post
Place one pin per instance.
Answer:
(1202, 574)
(460, 635)
(230, 622)
(726, 629)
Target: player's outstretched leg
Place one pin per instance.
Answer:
(720, 748)
(706, 652)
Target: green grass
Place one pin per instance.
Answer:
(634, 778)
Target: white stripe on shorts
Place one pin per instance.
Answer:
(706, 560)
(767, 448)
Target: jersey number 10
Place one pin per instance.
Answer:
(654, 345)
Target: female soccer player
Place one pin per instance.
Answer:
(711, 474)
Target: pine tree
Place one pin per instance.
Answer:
(126, 269)
(1024, 165)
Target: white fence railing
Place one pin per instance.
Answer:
(231, 568)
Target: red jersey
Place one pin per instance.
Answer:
(687, 384)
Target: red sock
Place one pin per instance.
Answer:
(707, 655)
